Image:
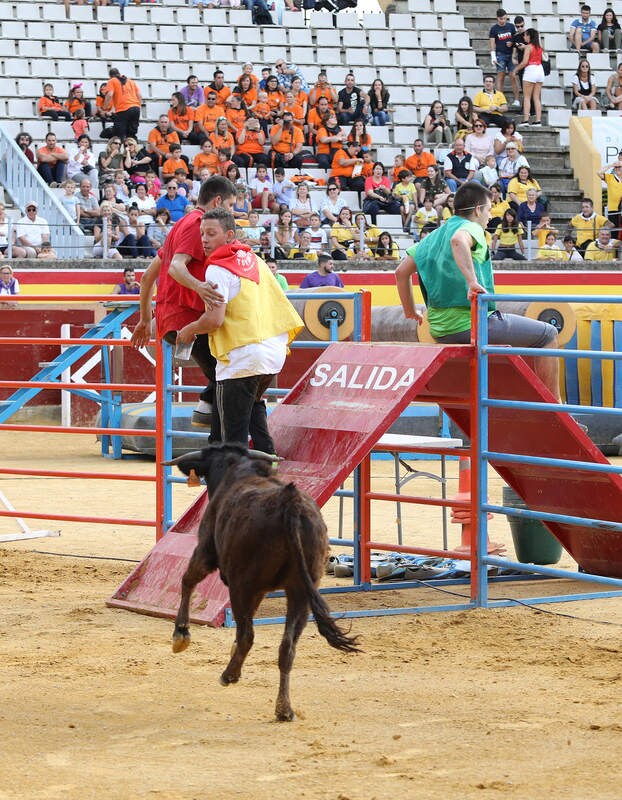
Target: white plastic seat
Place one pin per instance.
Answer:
(220, 53)
(39, 30)
(29, 48)
(374, 21)
(12, 29)
(331, 37)
(161, 15)
(437, 58)
(453, 22)
(292, 19)
(347, 19)
(459, 40)
(16, 66)
(464, 58)
(392, 76)
(20, 108)
(320, 19)
(144, 33)
(445, 6)
(244, 53)
(354, 38)
(193, 54)
(189, 17)
(167, 52)
(380, 37)
(169, 34)
(406, 40)
(113, 51)
(431, 39)
(150, 70)
(386, 57)
(444, 77)
(300, 37)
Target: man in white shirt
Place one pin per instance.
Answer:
(31, 230)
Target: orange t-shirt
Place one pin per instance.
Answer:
(202, 160)
(337, 169)
(220, 142)
(324, 147)
(262, 110)
(324, 92)
(124, 95)
(274, 100)
(49, 104)
(297, 112)
(397, 170)
(164, 143)
(254, 79)
(313, 118)
(251, 144)
(183, 121)
(248, 97)
(368, 169)
(73, 105)
(302, 98)
(221, 94)
(171, 164)
(365, 141)
(418, 165)
(289, 139)
(236, 117)
(207, 116)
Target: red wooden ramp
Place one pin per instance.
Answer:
(337, 412)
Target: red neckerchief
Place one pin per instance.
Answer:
(237, 258)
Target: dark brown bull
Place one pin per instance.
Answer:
(262, 535)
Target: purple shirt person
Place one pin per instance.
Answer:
(324, 275)
(192, 92)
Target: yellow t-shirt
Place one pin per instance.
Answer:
(508, 238)
(405, 190)
(422, 217)
(483, 101)
(614, 191)
(551, 253)
(520, 189)
(594, 253)
(499, 209)
(587, 228)
(542, 233)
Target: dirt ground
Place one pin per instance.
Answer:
(507, 703)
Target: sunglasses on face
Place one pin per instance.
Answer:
(31, 208)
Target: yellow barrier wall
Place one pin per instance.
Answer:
(585, 160)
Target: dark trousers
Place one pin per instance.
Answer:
(131, 247)
(279, 161)
(205, 361)
(56, 115)
(125, 123)
(52, 174)
(243, 412)
(245, 160)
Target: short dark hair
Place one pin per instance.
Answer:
(501, 12)
(469, 196)
(403, 173)
(518, 18)
(216, 186)
(323, 258)
(128, 269)
(588, 200)
(225, 218)
(585, 7)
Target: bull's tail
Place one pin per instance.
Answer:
(291, 505)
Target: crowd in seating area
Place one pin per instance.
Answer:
(301, 156)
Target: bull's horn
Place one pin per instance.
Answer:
(264, 456)
(194, 454)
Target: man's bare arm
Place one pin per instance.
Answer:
(461, 249)
(403, 279)
(142, 331)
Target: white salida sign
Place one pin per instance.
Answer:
(350, 376)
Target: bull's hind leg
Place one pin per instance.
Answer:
(243, 606)
(202, 562)
(297, 613)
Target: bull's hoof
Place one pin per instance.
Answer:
(181, 640)
(225, 679)
(285, 715)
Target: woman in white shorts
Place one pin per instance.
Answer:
(533, 76)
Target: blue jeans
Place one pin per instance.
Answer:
(380, 118)
(261, 4)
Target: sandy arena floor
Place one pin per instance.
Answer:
(510, 703)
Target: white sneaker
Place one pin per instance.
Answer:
(516, 104)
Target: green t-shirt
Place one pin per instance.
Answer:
(442, 284)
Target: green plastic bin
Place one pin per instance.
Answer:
(533, 541)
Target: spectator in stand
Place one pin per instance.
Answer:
(205, 159)
(173, 202)
(192, 92)
(285, 73)
(386, 248)
(370, 233)
(491, 105)
(181, 119)
(246, 91)
(261, 188)
(319, 235)
(247, 69)
(520, 185)
(283, 189)
(609, 31)
(436, 127)
(50, 106)
(612, 175)
(507, 237)
(31, 231)
(501, 39)
(301, 206)
(9, 286)
(465, 116)
(550, 251)
(110, 197)
(138, 161)
(509, 166)
(584, 87)
(75, 101)
(69, 201)
(206, 117)
(324, 275)
(507, 133)
(23, 141)
(498, 208)
(358, 133)
(129, 285)
(332, 203)
(434, 185)
(285, 232)
(488, 174)
(316, 118)
(89, 207)
(348, 167)
(604, 248)
(51, 161)
(531, 210)
(323, 88)
(287, 141)
(614, 88)
(570, 249)
(16, 252)
(124, 97)
(545, 227)
(161, 138)
(290, 106)
(480, 143)
(330, 138)
(379, 99)
(274, 97)
(102, 114)
(145, 204)
(110, 160)
(134, 242)
(80, 124)
(459, 166)
(352, 102)
(583, 33)
(518, 44)
(280, 279)
(425, 215)
(343, 236)
(218, 86)
(533, 76)
(419, 161)
(304, 249)
(250, 145)
(111, 231)
(82, 161)
(378, 196)
(222, 139)
(406, 193)
(176, 165)
(588, 224)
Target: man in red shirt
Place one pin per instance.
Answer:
(419, 161)
(179, 269)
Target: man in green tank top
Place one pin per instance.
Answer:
(453, 265)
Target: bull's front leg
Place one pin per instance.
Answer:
(243, 607)
(201, 564)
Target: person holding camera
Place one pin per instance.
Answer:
(378, 196)
(249, 149)
(286, 140)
